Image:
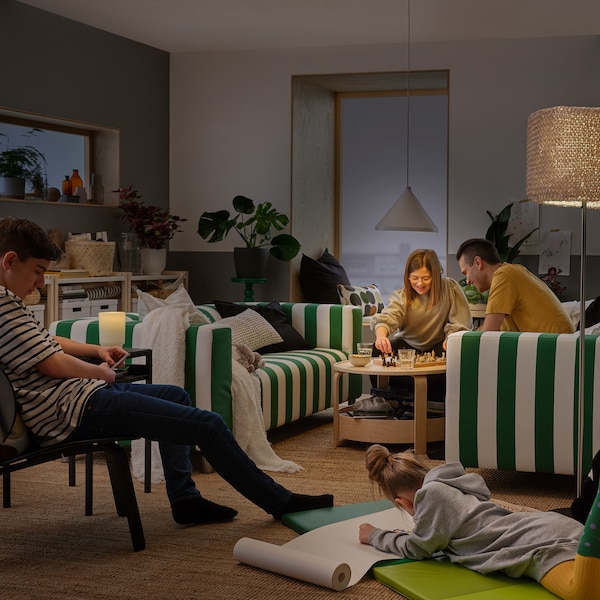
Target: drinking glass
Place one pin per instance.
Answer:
(406, 358)
(364, 349)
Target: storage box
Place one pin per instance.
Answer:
(97, 306)
(73, 309)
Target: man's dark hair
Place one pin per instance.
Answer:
(27, 239)
(478, 247)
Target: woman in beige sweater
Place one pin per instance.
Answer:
(425, 312)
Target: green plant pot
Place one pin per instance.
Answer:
(250, 263)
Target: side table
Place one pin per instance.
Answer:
(249, 289)
(135, 372)
(417, 431)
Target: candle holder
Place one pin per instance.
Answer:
(111, 328)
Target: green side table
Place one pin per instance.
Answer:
(249, 289)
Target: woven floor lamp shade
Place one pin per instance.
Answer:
(563, 169)
(563, 156)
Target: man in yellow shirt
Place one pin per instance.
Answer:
(518, 300)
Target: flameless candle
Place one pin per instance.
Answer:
(111, 327)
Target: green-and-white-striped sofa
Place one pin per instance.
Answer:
(294, 384)
(511, 401)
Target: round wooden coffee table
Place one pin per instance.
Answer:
(417, 431)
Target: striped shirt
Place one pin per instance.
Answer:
(51, 408)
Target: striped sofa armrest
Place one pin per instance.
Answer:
(512, 401)
(86, 330)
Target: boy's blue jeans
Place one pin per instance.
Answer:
(164, 413)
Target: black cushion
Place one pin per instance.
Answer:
(319, 278)
(273, 313)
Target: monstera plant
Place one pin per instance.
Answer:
(254, 223)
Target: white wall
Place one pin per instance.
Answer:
(231, 122)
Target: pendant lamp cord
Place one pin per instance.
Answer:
(408, 100)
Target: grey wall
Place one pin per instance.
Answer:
(231, 124)
(55, 66)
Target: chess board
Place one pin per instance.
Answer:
(429, 359)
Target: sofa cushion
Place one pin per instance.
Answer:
(319, 278)
(273, 313)
(147, 302)
(251, 329)
(368, 298)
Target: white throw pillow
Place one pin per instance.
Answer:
(251, 329)
(148, 302)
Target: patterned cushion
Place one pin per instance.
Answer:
(367, 297)
(275, 316)
(251, 329)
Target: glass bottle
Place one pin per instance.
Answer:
(67, 186)
(76, 181)
(130, 253)
(97, 189)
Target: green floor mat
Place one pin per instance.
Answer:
(441, 580)
(301, 522)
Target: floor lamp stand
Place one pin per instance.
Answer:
(581, 386)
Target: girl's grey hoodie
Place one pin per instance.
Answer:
(454, 515)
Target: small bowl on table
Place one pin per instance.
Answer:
(359, 360)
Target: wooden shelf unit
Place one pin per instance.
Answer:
(124, 279)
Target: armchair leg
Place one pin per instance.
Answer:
(6, 490)
(124, 493)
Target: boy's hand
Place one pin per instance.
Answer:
(107, 373)
(111, 354)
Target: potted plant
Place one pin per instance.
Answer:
(496, 233)
(254, 224)
(21, 164)
(153, 225)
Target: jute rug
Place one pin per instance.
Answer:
(50, 550)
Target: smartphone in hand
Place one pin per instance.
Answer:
(120, 363)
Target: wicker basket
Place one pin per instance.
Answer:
(95, 257)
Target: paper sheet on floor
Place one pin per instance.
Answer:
(329, 556)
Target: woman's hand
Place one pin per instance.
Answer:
(364, 531)
(383, 344)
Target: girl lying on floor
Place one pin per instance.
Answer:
(453, 514)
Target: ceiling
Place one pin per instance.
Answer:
(216, 25)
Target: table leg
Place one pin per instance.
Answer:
(420, 414)
(335, 401)
(249, 292)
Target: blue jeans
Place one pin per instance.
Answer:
(164, 413)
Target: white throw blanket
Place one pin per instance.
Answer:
(248, 423)
(164, 331)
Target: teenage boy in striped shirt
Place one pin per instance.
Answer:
(63, 398)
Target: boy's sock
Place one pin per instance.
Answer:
(301, 502)
(200, 510)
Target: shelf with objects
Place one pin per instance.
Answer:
(66, 297)
(77, 297)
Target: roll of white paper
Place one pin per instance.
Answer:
(292, 563)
